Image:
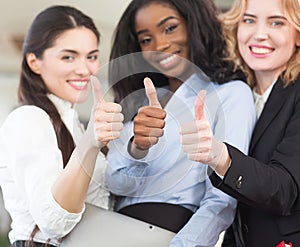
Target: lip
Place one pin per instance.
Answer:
(79, 84)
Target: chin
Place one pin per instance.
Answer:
(81, 97)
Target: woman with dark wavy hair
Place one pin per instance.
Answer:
(180, 46)
(47, 158)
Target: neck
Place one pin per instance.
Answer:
(174, 84)
(264, 82)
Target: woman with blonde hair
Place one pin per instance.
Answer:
(263, 39)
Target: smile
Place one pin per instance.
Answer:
(168, 59)
(261, 50)
(78, 84)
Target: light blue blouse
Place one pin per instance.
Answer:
(166, 175)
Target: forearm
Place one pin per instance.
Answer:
(215, 214)
(70, 189)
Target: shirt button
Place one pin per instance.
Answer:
(245, 228)
(238, 182)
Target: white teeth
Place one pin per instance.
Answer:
(261, 50)
(168, 59)
(78, 83)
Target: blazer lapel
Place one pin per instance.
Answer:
(271, 109)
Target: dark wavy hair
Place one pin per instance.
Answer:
(206, 42)
(43, 32)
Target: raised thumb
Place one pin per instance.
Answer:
(96, 89)
(199, 105)
(151, 93)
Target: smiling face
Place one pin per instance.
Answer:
(68, 64)
(266, 39)
(162, 36)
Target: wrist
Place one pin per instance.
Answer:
(223, 161)
(135, 151)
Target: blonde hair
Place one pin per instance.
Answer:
(230, 21)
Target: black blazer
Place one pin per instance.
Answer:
(267, 186)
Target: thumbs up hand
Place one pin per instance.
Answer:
(198, 141)
(150, 121)
(106, 121)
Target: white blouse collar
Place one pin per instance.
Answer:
(60, 104)
(69, 116)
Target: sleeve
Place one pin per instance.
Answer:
(279, 178)
(35, 162)
(124, 174)
(278, 197)
(233, 123)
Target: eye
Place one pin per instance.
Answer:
(277, 23)
(248, 20)
(93, 57)
(170, 28)
(144, 41)
(68, 58)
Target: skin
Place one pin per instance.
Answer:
(163, 38)
(67, 66)
(266, 40)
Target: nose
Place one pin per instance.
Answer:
(162, 43)
(82, 68)
(261, 33)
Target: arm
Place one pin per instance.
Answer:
(105, 124)
(277, 197)
(55, 196)
(271, 181)
(34, 162)
(217, 209)
(126, 156)
(124, 174)
(216, 213)
(148, 124)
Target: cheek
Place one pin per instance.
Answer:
(147, 56)
(242, 38)
(94, 68)
(240, 35)
(291, 42)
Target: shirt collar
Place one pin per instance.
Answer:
(68, 115)
(263, 96)
(60, 104)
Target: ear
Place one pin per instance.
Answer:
(33, 62)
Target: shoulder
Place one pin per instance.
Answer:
(235, 86)
(296, 85)
(291, 92)
(25, 118)
(27, 112)
(234, 91)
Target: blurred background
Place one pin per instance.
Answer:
(15, 18)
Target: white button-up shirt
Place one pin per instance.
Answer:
(30, 162)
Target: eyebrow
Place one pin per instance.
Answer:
(163, 21)
(75, 52)
(270, 17)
